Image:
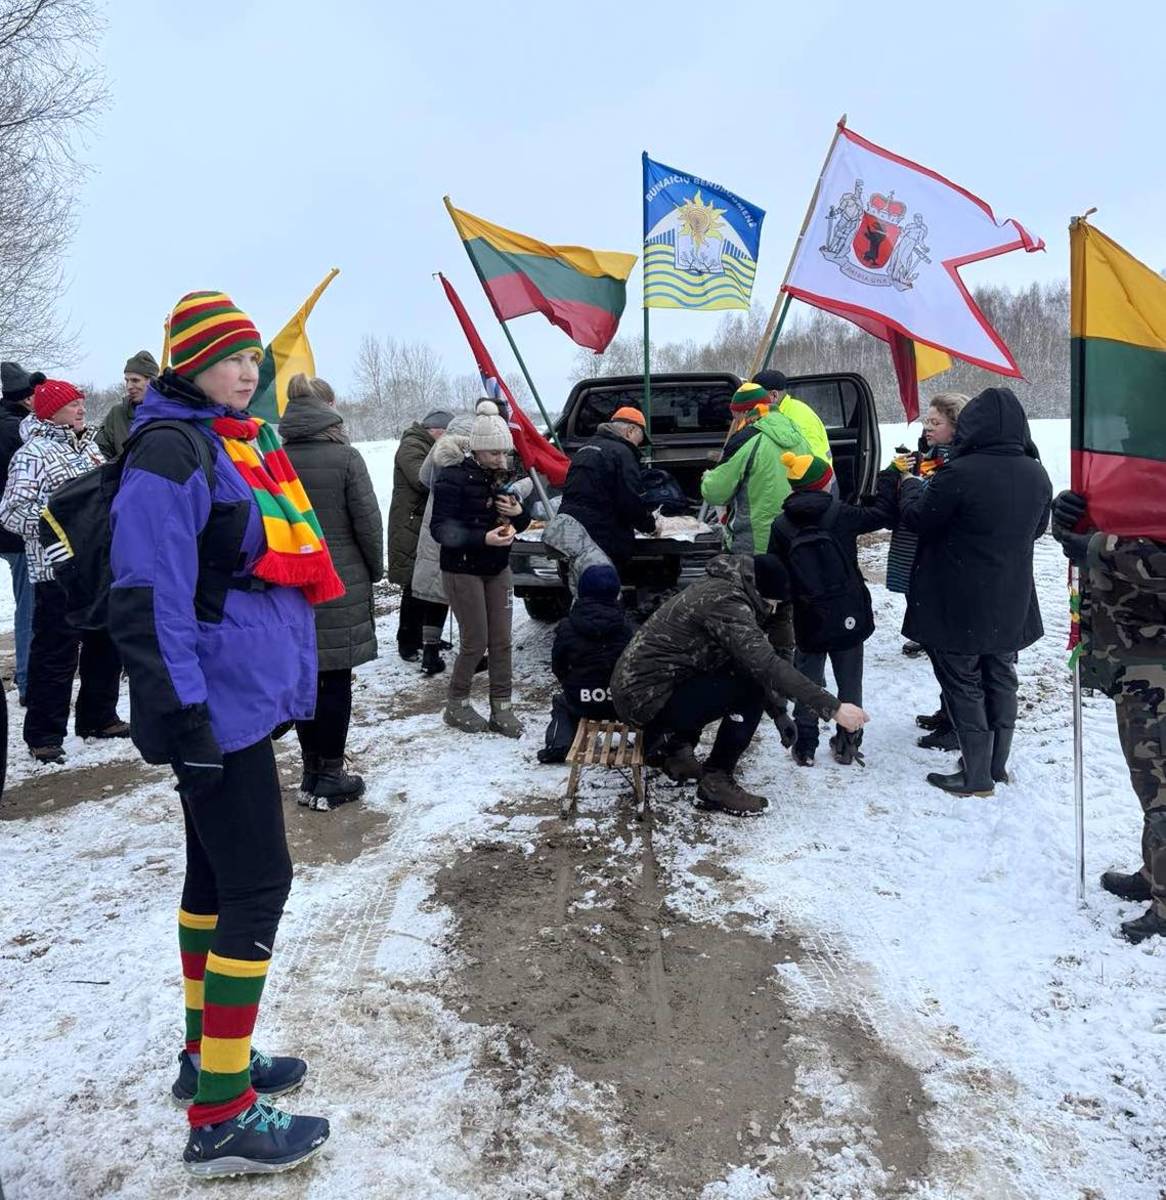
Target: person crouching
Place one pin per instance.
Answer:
(474, 522)
(705, 655)
(588, 642)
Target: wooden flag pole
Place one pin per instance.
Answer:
(781, 304)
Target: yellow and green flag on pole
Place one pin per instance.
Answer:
(288, 353)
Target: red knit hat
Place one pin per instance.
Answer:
(52, 395)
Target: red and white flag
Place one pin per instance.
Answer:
(883, 246)
(533, 450)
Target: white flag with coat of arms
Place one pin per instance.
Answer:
(883, 245)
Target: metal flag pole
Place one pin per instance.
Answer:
(781, 304)
(644, 292)
(1079, 783)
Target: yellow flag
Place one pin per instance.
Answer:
(929, 361)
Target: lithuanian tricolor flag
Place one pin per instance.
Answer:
(1118, 385)
(581, 291)
(288, 354)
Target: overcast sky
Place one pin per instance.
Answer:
(253, 144)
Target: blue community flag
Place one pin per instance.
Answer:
(700, 241)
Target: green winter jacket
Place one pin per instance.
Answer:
(408, 504)
(115, 429)
(752, 481)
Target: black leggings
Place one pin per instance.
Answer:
(736, 700)
(237, 861)
(326, 734)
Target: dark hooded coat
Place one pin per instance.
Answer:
(972, 590)
(338, 485)
(407, 507)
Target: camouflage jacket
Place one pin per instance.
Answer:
(1123, 606)
(718, 624)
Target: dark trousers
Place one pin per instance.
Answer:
(52, 664)
(979, 690)
(847, 668)
(327, 732)
(560, 729)
(237, 861)
(734, 700)
(415, 615)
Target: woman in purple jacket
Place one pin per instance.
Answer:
(215, 566)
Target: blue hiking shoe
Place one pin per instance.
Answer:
(261, 1140)
(269, 1076)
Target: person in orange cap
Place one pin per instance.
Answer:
(604, 491)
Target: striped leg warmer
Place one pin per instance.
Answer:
(195, 934)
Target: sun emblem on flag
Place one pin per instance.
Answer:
(700, 236)
(872, 242)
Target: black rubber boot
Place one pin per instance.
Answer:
(1135, 887)
(431, 661)
(1148, 925)
(912, 649)
(310, 775)
(974, 778)
(334, 786)
(1001, 748)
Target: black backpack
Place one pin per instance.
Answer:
(75, 530)
(832, 608)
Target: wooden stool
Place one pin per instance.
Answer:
(593, 747)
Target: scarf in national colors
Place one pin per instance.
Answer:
(297, 555)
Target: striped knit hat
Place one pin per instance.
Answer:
(205, 328)
(747, 397)
(807, 472)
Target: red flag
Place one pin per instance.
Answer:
(536, 452)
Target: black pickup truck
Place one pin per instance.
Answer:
(690, 418)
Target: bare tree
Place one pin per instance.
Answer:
(50, 91)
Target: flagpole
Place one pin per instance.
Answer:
(647, 343)
(525, 373)
(776, 317)
(1079, 783)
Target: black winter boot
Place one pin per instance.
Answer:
(311, 773)
(1135, 887)
(1148, 925)
(974, 778)
(334, 786)
(936, 720)
(845, 747)
(680, 764)
(431, 661)
(940, 739)
(1001, 748)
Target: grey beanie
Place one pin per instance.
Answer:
(490, 431)
(437, 419)
(143, 363)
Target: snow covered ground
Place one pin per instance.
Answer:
(930, 1013)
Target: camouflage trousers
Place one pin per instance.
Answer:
(1141, 725)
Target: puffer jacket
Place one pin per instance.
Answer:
(51, 455)
(715, 625)
(407, 506)
(449, 451)
(12, 414)
(752, 480)
(199, 645)
(588, 643)
(337, 482)
(463, 513)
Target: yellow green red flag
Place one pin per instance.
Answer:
(288, 353)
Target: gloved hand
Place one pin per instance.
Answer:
(787, 728)
(1068, 510)
(198, 759)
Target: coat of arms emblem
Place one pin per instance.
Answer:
(869, 242)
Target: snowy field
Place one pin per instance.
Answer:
(875, 990)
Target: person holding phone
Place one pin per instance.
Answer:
(475, 518)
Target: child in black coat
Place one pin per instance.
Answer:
(588, 641)
(816, 537)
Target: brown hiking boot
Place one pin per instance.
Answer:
(47, 754)
(115, 729)
(719, 790)
(681, 765)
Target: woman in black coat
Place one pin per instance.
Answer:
(337, 482)
(972, 600)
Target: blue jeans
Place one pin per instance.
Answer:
(22, 593)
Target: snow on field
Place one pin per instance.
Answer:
(943, 933)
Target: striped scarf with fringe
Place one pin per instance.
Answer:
(296, 555)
